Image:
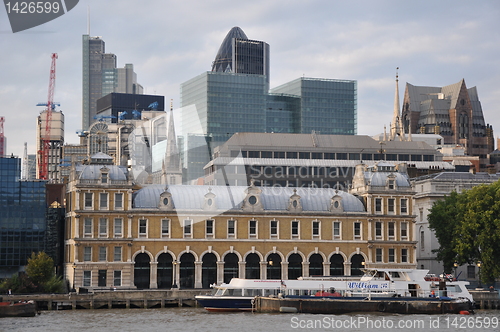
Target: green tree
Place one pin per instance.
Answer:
(40, 267)
(467, 226)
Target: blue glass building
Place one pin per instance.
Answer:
(235, 97)
(22, 217)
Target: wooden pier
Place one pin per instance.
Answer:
(113, 299)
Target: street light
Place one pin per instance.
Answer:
(174, 264)
(455, 265)
(479, 266)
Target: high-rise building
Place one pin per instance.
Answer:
(452, 111)
(101, 77)
(235, 97)
(55, 137)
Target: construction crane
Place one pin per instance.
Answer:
(43, 153)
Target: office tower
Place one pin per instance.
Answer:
(234, 97)
(101, 77)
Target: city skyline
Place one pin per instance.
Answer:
(363, 42)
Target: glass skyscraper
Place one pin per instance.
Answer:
(22, 217)
(235, 97)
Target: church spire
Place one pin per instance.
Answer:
(397, 123)
(171, 168)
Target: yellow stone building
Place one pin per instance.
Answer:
(190, 236)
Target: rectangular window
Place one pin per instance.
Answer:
(274, 229)
(390, 205)
(87, 278)
(295, 229)
(378, 230)
(422, 239)
(87, 254)
(391, 255)
(231, 225)
(117, 255)
(101, 278)
(143, 228)
(404, 206)
(404, 231)
(88, 198)
(103, 227)
(103, 201)
(188, 225)
(378, 255)
(390, 230)
(117, 278)
(102, 254)
(336, 230)
(378, 205)
(118, 227)
(209, 228)
(252, 229)
(87, 227)
(104, 178)
(471, 272)
(315, 229)
(165, 228)
(118, 201)
(357, 231)
(404, 255)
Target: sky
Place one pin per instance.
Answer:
(434, 43)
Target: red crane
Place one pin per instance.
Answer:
(43, 160)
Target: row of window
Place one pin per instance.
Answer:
(103, 201)
(231, 229)
(391, 255)
(332, 155)
(101, 281)
(391, 205)
(103, 254)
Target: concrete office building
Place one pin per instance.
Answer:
(101, 77)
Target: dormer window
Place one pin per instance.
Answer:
(104, 178)
(252, 200)
(294, 203)
(209, 203)
(166, 202)
(390, 184)
(336, 203)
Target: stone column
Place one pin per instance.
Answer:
(220, 272)
(347, 268)
(197, 274)
(326, 268)
(153, 276)
(129, 226)
(284, 270)
(176, 273)
(305, 269)
(241, 269)
(263, 270)
(77, 226)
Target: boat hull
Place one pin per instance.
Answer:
(225, 303)
(345, 305)
(24, 309)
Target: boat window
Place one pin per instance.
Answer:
(268, 292)
(220, 291)
(252, 292)
(395, 275)
(234, 292)
(453, 288)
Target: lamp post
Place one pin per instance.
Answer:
(479, 285)
(74, 276)
(455, 265)
(174, 264)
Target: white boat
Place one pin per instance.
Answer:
(375, 283)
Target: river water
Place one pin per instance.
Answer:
(197, 319)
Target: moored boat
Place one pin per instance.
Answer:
(18, 309)
(238, 294)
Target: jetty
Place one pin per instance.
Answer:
(112, 299)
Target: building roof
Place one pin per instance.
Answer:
(223, 60)
(192, 197)
(459, 176)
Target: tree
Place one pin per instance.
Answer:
(40, 267)
(467, 226)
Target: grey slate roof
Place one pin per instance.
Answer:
(192, 197)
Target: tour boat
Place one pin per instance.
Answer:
(238, 294)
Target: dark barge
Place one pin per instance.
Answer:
(335, 305)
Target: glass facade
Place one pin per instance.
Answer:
(328, 106)
(22, 218)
